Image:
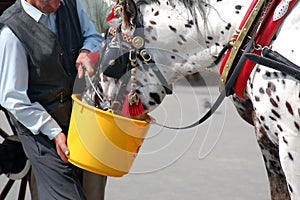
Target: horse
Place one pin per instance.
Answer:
(181, 37)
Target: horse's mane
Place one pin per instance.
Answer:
(192, 5)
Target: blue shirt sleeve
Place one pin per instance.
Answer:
(92, 39)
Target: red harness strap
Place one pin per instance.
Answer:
(235, 35)
(271, 20)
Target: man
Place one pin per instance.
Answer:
(41, 42)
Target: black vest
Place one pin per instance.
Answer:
(51, 58)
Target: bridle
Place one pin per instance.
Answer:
(129, 53)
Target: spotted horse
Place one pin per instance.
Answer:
(182, 37)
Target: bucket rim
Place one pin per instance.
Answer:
(109, 112)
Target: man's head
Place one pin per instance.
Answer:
(46, 6)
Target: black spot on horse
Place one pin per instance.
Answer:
(268, 74)
(152, 22)
(182, 38)
(290, 156)
(257, 98)
(273, 102)
(269, 91)
(273, 118)
(279, 127)
(155, 97)
(276, 113)
(272, 86)
(297, 126)
(258, 69)
(172, 29)
(275, 74)
(189, 24)
(284, 140)
(266, 127)
(149, 28)
(228, 26)
(238, 9)
(261, 90)
(289, 108)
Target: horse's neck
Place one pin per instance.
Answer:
(163, 21)
(170, 30)
(222, 20)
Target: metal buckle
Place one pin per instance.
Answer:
(145, 55)
(132, 58)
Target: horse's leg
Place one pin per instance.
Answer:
(277, 181)
(289, 143)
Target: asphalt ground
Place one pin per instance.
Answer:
(218, 160)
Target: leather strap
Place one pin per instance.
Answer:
(276, 61)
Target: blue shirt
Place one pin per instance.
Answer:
(14, 71)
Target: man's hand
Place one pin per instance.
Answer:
(61, 146)
(86, 62)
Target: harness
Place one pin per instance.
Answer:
(267, 16)
(127, 52)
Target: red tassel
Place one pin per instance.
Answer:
(132, 106)
(111, 15)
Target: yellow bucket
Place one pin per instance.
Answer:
(102, 142)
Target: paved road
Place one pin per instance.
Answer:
(218, 160)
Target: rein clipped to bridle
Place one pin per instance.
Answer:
(243, 46)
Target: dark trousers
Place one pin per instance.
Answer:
(93, 186)
(54, 178)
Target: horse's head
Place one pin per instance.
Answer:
(128, 73)
(157, 43)
(145, 80)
